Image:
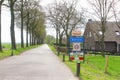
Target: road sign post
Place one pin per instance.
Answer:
(63, 57)
(77, 53)
(78, 69)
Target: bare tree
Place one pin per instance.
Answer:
(1, 2)
(53, 18)
(33, 12)
(33, 16)
(65, 18)
(37, 27)
(116, 13)
(19, 8)
(29, 6)
(70, 18)
(102, 9)
(11, 5)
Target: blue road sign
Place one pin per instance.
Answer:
(77, 39)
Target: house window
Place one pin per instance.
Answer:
(117, 33)
(100, 32)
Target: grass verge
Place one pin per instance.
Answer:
(7, 51)
(93, 68)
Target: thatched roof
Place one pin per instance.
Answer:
(110, 34)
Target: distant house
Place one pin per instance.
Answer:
(93, 33)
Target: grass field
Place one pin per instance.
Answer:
(94, 67)
(7, 50)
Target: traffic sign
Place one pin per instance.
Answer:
(81, 56)
(76, 33)
(72, 56)
(77, 39)
(76, 46)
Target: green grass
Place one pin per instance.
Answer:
(94, 67)
(98, 63)
(7, 50)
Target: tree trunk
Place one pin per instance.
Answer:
(103, 37)
(13, 43)
(22, 39)
(39, 41)
(68, 44)
(60, 40)
(57, 36)
(61, 36)
(103, 46)
(34, 41)
(0, 31)
(30, 39)
(27, 36)
(68, 47)
(27, 28)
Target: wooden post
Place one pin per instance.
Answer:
(63, 57)
(58, 49)
(106, 64)
(78, 69)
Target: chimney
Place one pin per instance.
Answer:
(89, 20)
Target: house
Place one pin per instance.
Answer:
(92, 35)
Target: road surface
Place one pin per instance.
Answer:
(36, 64)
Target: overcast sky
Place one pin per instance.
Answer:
(6, 27)
(6, 23)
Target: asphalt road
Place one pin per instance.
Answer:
(36, 64)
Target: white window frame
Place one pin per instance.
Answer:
(117, 33)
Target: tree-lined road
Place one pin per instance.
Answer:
(36, 64)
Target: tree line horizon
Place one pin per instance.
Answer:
(27, 15)
(62, 15)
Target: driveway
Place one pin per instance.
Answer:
(36, 64)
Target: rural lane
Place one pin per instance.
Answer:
(36, 64)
